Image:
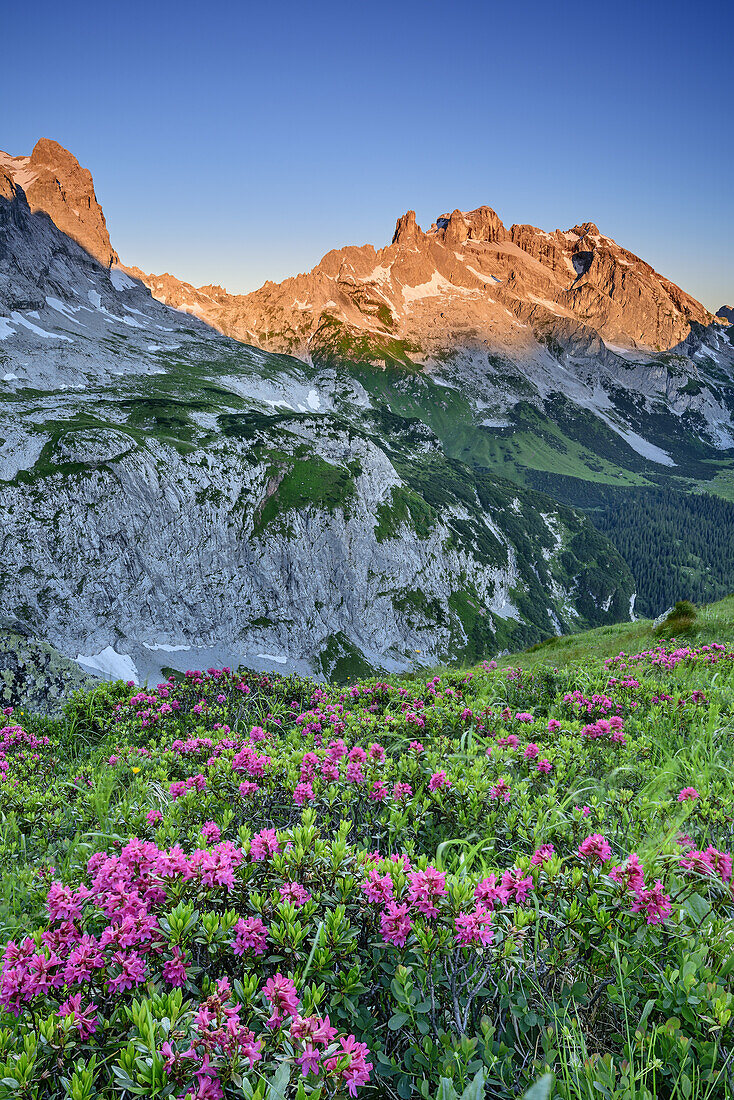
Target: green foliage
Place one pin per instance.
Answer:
(405, 508)
(681, 620)
(675, 544)
(308, 482)
(572, 987)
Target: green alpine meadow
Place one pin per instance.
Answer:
(500, 880)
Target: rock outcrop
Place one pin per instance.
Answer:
(173, 498)
(56, 184)
(34, 675)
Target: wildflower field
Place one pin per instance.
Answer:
(486, 882)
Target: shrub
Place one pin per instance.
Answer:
(471, 878)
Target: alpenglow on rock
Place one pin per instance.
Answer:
(361, 479)
(174, 498)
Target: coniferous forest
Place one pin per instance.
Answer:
(677, 545)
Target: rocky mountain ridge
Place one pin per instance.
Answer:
(509, 318)
(55, 183)
(173, 498)
(483, 281)
(467, 279)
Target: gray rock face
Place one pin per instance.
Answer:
(34, 676)
(173, 498)
(161, 556)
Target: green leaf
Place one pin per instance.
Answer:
(397, 1020)
(446, 1090)
(279, 1082)
(475, 1089)
(540, 1089)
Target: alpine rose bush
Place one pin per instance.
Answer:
(261, 886)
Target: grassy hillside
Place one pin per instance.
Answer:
(648, 511)
(713, 623)
(467, 883)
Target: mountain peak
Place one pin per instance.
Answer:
(587, 229)
(48, 151)
(482, 224)
(55, 182)
(407, 229)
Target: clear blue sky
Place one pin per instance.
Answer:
(238, 142)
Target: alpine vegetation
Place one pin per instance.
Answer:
(240, 884)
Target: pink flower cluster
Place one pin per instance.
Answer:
(708, 862)
(608, 728)
(652, 901)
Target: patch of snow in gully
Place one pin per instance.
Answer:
(64, 309)
(21, 320)
(117, 666)
(120, 280)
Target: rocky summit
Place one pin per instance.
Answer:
(388, 461)
(56, 184)
(467, 279)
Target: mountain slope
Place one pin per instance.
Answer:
(172, 497)
(566, 342)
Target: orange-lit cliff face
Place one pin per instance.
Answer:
(467, 279)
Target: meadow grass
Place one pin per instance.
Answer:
(515, 793)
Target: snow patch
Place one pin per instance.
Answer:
(64, 309)
(272, 657)
(21, 320)
(23, 176)
(507, 610)
(189, 309)
(379, 275)
(116, 666)
(313, 399)
(709, 352)
(482, 275)
(120, 280)
(619, 350)
(156, 646)
(642, 446)
(552, 306)
(6, 328)
(435, 286)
